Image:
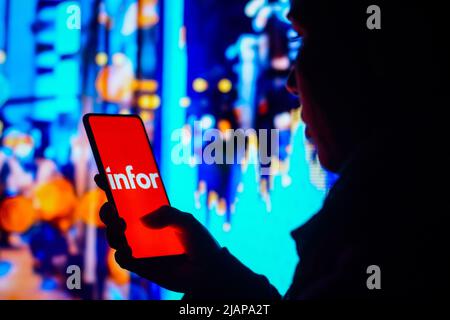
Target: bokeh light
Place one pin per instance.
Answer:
(225, 86)
(101, 59)
(200, 85)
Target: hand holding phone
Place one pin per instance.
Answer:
(134, 186)
(200, 269)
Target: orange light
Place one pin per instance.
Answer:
(101, 59)
(225, 86)
(200, 85)
(55, 199)
(222, 207)
(223, 125)
(147, 85)
(115, 83)
(89, 207)
(146, 116)
(17, 214)
(103, 18)
(213, 198)
(118, 275)
(149, 102)
(202, 186)
(148, 15)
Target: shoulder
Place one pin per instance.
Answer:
(388, 214)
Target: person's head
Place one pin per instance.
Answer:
(353, 81)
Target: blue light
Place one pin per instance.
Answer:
(68, 39)
(173, 116)
(4, 90)
(5, 268)
(49, 284)
(207, 122)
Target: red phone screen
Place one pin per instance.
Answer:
(127, 160)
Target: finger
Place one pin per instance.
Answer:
(115, 226)
(166, 216)
(101, 182)
(108, 213)
(115, 234)
(196, 239)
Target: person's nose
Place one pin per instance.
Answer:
(291, 84)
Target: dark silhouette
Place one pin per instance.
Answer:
(371, 101)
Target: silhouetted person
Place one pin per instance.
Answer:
(371, 100)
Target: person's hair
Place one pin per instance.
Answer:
(395, 73)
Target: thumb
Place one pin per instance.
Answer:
(166, 216)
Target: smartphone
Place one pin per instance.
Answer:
(124, 157)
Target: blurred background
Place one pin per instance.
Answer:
(190, 64)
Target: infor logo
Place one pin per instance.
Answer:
(129, 180)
